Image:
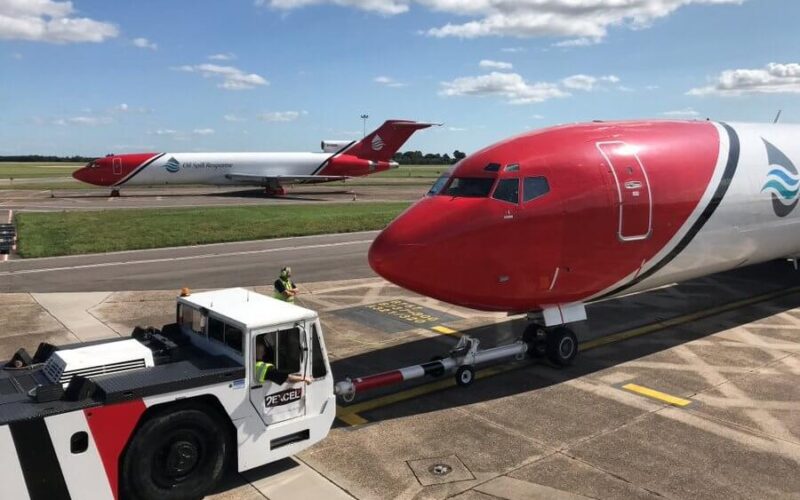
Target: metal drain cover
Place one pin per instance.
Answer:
(440, 470)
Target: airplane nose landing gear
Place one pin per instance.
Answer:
(559, 343)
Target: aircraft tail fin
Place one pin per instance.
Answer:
(381, 144)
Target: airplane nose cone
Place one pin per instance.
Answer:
(81, 174)
(395, 259)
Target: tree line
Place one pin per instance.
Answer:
(418, 158)
(47, 159)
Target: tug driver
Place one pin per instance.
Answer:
(266, 370)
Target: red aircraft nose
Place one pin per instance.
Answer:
(443, 247)
(89, 174)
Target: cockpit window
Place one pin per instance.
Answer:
(534, 187)
(492, 167)
(507, 190)
(514, 167)
(469, 187)
(439, 185)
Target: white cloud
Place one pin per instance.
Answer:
(50, 21)
(90, 121)
(144, 43)
(516, 90)
(203, 131)
(232, 78)
(512, 50)
(16, 55)
(582, 21)
(456, 129)
(388, 81)
(511, 86)
(687, 112)
(385, 7)
(577, 42)
(489, 64)
(537, 117)
(281, 116)
(231, 117)
(163, 131)
(587, 82)
(227, 56)
(775, 78)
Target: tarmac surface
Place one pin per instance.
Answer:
(313, 258)
(689, 391)
(46, 200)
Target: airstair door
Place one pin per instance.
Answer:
(632, 190)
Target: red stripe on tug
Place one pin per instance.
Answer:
(380, 380)
(111, 428)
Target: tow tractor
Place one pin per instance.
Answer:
(163, 413)
(159, 415)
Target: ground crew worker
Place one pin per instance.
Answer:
(266, 370)
(285, 289)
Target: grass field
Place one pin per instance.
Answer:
(69, 233)
(10, 170)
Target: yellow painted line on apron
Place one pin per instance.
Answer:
(444, 330)
(349, 417)
(350, 413)
(654, 394)
(686, 318)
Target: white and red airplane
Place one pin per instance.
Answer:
(551, 220)
(338, 160)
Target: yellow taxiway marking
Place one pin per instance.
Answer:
(654, 394)
(444, 330)
(351, 412)
(349, 417)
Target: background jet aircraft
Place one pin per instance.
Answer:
(548, 221)
(337, 161)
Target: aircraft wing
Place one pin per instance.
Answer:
(262, 180)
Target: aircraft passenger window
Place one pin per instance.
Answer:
(465, 187)
(438, 185)
(514, 167)
(507, 190)
(216, 329)
(534, 187)
(233, 338)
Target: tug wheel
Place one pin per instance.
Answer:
(175, 455)
(562, 346)
(465, 376)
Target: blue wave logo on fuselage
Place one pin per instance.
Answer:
(783, 181)
(172, 165)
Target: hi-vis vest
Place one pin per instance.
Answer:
(261, 370)
(288, 285)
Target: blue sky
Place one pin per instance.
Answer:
(92, 76)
